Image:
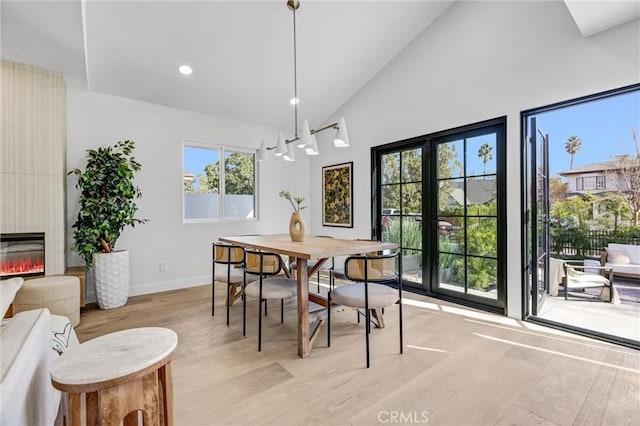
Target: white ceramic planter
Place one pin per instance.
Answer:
(111, 278)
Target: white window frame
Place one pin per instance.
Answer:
(221, 150)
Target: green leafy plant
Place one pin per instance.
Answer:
(297, 207)
(107, 197)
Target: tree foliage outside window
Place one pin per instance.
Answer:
(448, 166)
(628, 175)
(209, 188)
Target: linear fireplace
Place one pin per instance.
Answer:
(21, 254)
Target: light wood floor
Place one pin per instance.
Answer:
(460, 367)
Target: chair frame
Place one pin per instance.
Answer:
(365, 281)
(603, 269)
(262, 274)
(229, 262)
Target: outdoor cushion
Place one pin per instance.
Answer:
(615, 255)
(631, 250)
(629, 269)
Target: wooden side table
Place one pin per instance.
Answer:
(121, 373)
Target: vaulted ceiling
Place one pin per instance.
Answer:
(241, 52)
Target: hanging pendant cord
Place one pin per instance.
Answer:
(295, 76)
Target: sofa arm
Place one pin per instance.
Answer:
(24, 370)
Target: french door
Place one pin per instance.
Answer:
(539, 181)
(441, 197)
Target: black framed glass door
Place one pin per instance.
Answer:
(540, 253)
(401, 207)
(441, 197)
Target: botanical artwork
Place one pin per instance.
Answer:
(337, 195)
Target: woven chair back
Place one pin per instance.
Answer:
(227, 253)
(372, 268)
(262, 263)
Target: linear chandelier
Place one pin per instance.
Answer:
(307, 139)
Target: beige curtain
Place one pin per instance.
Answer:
(33, 156)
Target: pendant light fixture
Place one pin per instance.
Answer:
(306, 140)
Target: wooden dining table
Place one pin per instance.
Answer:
(312, 248)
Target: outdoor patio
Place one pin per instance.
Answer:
(586, 310)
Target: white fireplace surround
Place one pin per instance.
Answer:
(33, 157)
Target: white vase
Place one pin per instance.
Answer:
(111, 278)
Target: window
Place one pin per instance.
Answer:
(211, 192)
(590, 183)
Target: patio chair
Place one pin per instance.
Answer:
(367, 292)
(576, 279)
(265, 264)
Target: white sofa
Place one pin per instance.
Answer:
(624, 259)
(29, 341)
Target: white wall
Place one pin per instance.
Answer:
(480, 60)
(95, 120)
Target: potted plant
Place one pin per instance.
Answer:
(107, 206)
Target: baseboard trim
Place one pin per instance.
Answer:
(158, 287)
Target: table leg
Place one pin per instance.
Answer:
(92, 409)
(166, 380)
(302, 272)
(73, 408)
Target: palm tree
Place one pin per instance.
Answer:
(572, 147)
(485, 153)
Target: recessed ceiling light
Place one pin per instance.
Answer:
(294, 101)
(185, 69)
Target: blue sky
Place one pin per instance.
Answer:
(196, 158)
(604, 126)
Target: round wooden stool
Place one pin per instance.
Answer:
(121, 373)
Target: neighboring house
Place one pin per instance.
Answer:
(479, 191)
(595, 178)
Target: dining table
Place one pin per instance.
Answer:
(320, 249)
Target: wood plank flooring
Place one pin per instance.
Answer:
(460, 367)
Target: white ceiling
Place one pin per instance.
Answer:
(241, 51)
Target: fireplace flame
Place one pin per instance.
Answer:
(21, 266)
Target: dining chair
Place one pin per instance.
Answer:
(326, 266)
(367, 291)
(232, 272)
(268, 286)
(337, 271)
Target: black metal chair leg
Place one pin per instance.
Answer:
(366, 335)
(318, 281)
(213, 284)
(367, 316)
(260, 317)
(244, 315)
(329, 318)
(228, 289)
(281, 311)
(400, 313)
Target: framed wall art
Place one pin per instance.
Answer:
(337, 195)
